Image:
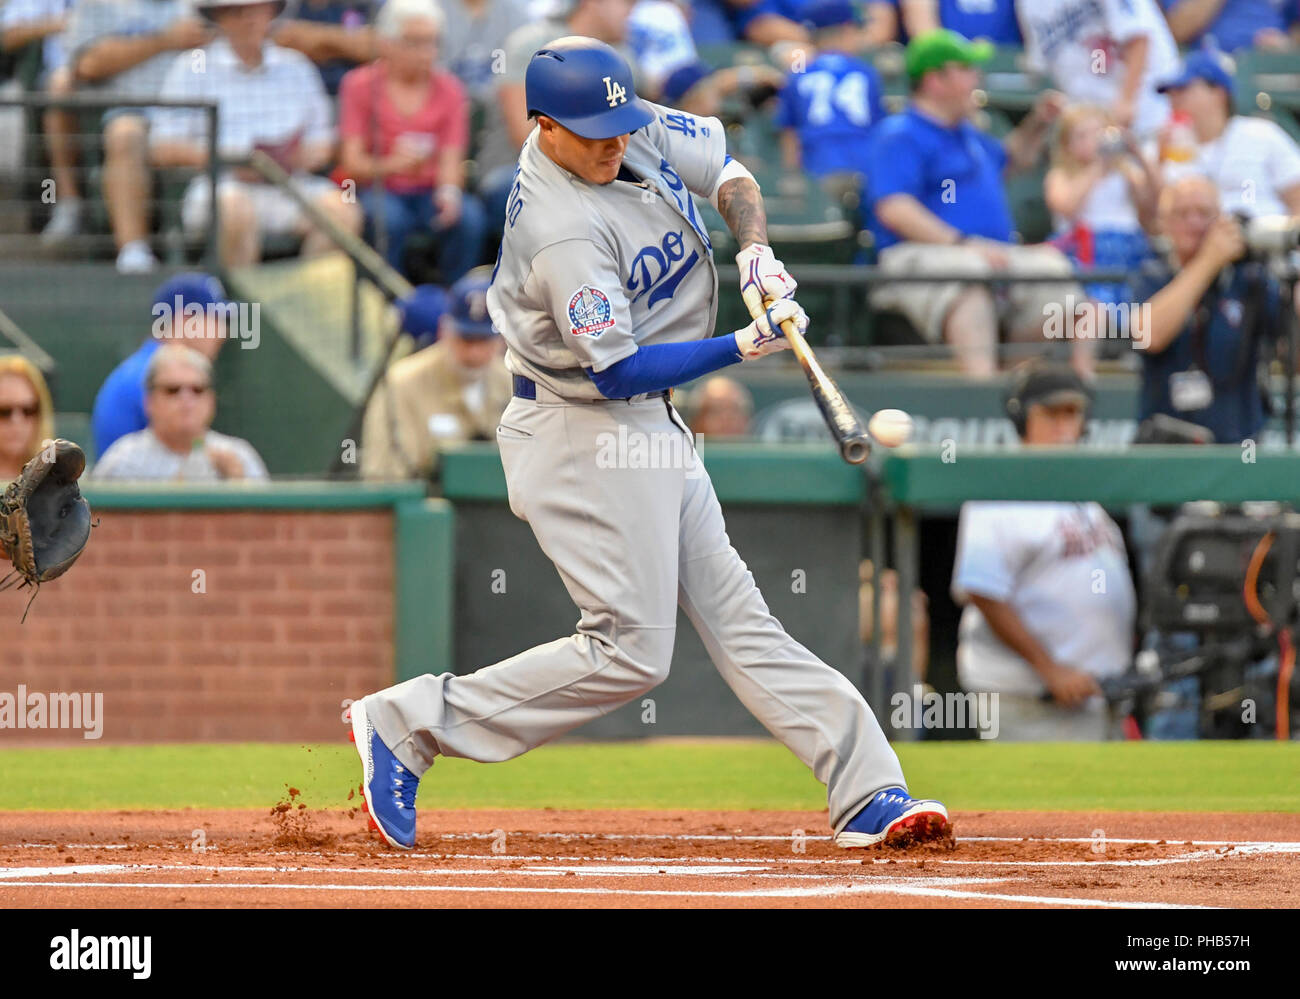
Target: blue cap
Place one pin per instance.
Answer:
(468, 308)
(192, 288)
(1213, 67)
(421, 312)
(828, 13)
(680, 81)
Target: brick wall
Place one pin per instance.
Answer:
(297, 615)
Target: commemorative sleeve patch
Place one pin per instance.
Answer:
(590, 313)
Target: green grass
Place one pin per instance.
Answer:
(699, 774)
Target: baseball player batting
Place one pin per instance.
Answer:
(606, 292)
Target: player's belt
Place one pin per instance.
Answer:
(526, 388)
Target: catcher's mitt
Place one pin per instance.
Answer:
(44, 519)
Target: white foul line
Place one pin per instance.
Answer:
(829, 891)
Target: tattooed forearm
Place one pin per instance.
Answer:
(741, 206)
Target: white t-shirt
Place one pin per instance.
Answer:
(1107, 208)
(19, 12)
(281, 98)
(94, 20)
(659, 35)
(1251, 162)
(141, 455)
(1080, 44)
(1063, 569)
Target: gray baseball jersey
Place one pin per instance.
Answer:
(587, 272)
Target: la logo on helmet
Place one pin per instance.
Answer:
(615, 94)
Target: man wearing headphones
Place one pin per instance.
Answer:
(1049, 604)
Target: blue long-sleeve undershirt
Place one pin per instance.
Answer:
(658, 366)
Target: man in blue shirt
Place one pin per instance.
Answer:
(827, 111)
(762, 22)
(994, 20)
(1232, 24)
(119, 404)
(1211, 319)
(934, 185)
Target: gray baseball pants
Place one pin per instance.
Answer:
(632, 542)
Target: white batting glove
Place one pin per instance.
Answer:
(764, 335)
(760, 268)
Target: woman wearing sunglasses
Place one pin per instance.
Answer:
(26, 415)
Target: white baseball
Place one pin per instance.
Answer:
(890, 427)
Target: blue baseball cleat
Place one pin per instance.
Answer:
(895, 818)
(389, 787)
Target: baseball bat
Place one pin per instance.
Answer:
(845, 427)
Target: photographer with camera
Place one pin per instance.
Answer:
(1213, 311)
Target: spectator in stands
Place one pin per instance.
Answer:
(762, 22)
(26, 415)
(125, 48)
(605, 20)
(331, 33)
(993, 20)
(473, 49)
(935, 188)
(699, 90)
(1212, 315)
(473, 41)
(1107, 52)
(660, 39)
(1252, 161)
(1049, 603)
(405, 123)
(421, 314)
(722, 407)
(1102, 193)
(27, 22)
(828, 111)
(269, 99)
(1232, 24)
(879, 25)
(179, 443)
(120, 402)
(452, 392)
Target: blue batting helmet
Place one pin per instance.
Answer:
(586, 86)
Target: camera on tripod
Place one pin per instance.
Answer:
(1221, 597)
(1270, 236)
(1213, 572)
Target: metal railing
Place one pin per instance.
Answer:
(37, 164)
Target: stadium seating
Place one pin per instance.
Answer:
(807, 225)
(1267, 81)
